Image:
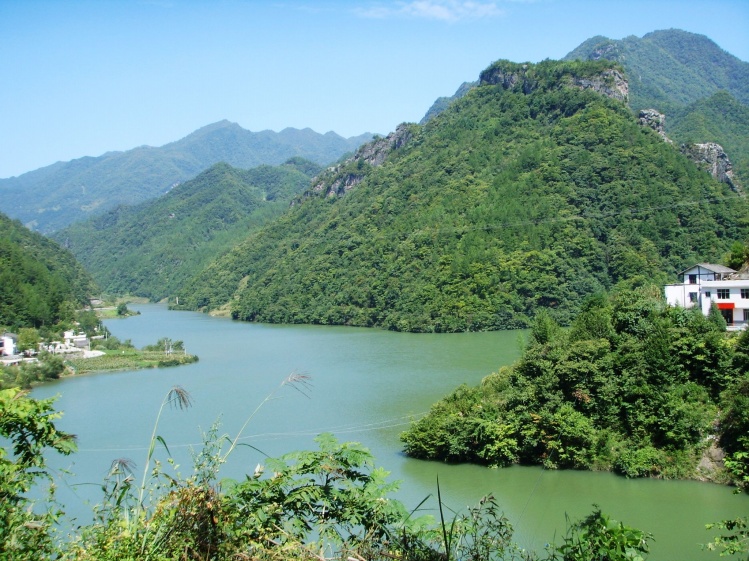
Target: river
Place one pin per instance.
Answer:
(365, 385)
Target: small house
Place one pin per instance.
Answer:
(705, 284)
(8, 344)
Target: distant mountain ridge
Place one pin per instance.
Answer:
(54, 196)
(152, 248)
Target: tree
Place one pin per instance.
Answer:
(738, 255)
(28, 339)
(29, 426)
(715, 318)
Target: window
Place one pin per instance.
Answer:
(692, 296)
(707, 294)
(692, 279)
(745, 293)
(724, 293)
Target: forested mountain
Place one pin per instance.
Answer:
(721, 119)
(702, 90)
(55, 196)
(40, 282)
(670, 69)
(151, 249)
(442, 103)
(534, 190)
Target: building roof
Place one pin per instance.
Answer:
(710, 267)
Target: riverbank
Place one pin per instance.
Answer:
(128, 359)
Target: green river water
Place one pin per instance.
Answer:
(365, 385)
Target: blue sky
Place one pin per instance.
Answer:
(80, 78)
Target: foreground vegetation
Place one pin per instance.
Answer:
(330, 503)
(634, 386)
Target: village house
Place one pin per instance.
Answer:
(73, 339)
(705, 284)
(8, 343)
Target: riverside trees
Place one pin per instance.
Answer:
(634, 386)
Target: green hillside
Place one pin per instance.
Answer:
(55, 196)
(532, 191)
(702, 90)
(152, 248)
(670, 69)
(635, 386)
(40, 283)
(718, 118)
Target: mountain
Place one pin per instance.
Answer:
(151, 249)
(442, 103)
(536, 189)
(671, 68)
(702, 90)
(719, 118)
(40, 282)
(55, 196)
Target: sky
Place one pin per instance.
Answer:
(81, 78)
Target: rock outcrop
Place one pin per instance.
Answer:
(510, 77)
(657, 121)
(526, 78)
(610, 83)
(712, 158)
(340, 179)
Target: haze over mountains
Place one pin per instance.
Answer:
(152, 248)
(55, 196)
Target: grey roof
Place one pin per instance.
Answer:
(711, 267)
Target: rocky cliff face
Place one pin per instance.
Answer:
(610, 83)
(509, 77)
(711, 157)
(526, 79)
(340, 179)
(657, 121)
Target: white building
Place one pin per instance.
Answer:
(8, 344)
(706, 283)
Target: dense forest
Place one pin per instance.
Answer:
(670, 69)
(633, 386)
(528, 193)
(702, 90)
(40, 282)
(152, 248)
(721, 119)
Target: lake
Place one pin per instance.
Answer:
(366, 385)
